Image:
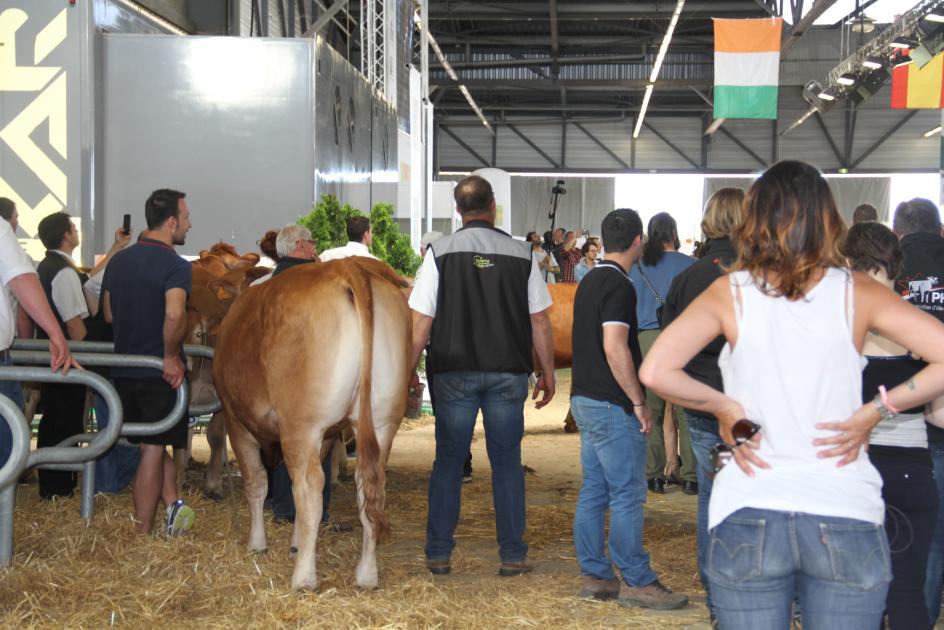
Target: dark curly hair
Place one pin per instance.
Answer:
(871, 246)
(267, 245)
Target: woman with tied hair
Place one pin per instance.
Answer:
(898, 447)
(652, 276)
(799, 512)
(723, 213)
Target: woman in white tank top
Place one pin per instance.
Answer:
(799, 512)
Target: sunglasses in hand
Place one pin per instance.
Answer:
(743, 430)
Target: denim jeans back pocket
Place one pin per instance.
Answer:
(736, 549)
(450, 386)
(514, 386)
(858, 554)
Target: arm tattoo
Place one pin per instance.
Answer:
(692, 401)
(911, 384)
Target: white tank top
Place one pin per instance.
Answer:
(794, 365)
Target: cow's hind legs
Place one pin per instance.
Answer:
(307, 484)
(255, 481)
(366, 575)
(216, 438)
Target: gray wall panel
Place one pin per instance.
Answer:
(186, 113)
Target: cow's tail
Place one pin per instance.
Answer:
(369, 463)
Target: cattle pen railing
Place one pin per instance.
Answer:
(58, 457)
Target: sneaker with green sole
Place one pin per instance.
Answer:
(179, 518)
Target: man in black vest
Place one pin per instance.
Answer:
(917, 224)
(63, 405)
(480, 302)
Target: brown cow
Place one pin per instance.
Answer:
(299, 354)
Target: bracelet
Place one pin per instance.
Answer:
(642, 404)
(885, 414)
(883, 393)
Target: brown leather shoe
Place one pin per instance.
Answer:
(511, 569)
(595, 588)
(653, 595)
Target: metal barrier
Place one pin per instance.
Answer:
(9, 474)
(58, 457)
(97, 347)
(83, 459)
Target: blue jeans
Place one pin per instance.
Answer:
(14, 391)
(760, 561)
(704, 436)
(282, 498)
(932, 583)
(613, 458)
(459, 396)
(114, 469)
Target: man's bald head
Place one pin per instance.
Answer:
(474, 196)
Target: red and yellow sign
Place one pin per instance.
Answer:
(919, 88)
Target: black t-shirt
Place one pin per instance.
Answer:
(605, 297)
(137, 279)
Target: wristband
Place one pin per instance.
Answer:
(883, 394)
(885, 414)
(642, 404)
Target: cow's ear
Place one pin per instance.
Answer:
(225, 290)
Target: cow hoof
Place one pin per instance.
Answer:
(306, 585)
(213, 495)
(292, 552)
(259, 552)
(370, 586)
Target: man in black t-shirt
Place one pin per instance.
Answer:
(145, 292)
(917, 224)
(609, 406)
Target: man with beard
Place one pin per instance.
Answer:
(145, 295)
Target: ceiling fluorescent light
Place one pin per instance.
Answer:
(665, 41)
(846, 79)
(901, 60)
(642, 110)
(931, 132)
(872, 63)
(935, 16)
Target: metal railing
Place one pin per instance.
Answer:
(57, 457)
(107, 347)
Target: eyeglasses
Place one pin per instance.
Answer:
(742, 431)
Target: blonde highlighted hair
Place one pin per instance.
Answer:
(723, 213)
(791, 230)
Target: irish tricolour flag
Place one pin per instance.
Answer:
(747, 67)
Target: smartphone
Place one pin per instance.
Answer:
(126, 224)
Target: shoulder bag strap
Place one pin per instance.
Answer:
(649, 284)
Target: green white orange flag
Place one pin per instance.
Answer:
(747, 67)
(919, 88)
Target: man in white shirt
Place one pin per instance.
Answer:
(19, 279)
(359, 239)
(64, 405)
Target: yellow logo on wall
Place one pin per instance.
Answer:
(49, 107)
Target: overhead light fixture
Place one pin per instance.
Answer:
(846, 79)
(826, 96)
(872, 63)
(935, 16)
(664, 48)
(901, 42)
(931, 132)
(642, 110)
(901, 60)
(660, 57)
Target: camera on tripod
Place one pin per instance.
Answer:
(558, 188)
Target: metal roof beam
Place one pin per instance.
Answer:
(518, 10)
